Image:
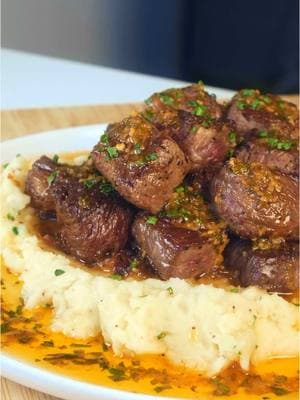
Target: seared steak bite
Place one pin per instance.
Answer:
(193, 99)
(143, 164)
(193, 119)
(277, 154)
(92, 224)
(205, 142)
(253, 111)
(255, 201)
(184, 240)
(37, 185)
(276, 270)
(92, 219)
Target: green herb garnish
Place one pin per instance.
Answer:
(117, 374)
(55, 158)
(106, 187)
(15, 230)
(279, 391)
(200, 110)
(152, 220)
(137, 148)
(161, 335)
(10, 217)
(104, 138)
(58, 272)
(88, 183)
(170, 290)
(5, 165)
(240, 105)
(134, 264)
(166, 99)
(151, 157)
(116, 277)
(232, 137)
(247, 92)
(112, 152)
(255, 104)
(51, 178)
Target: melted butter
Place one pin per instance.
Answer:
(33, 341)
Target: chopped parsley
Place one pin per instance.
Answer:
(148, 115)
(279, 391)
(51, 178)
(170, 290)
(10, 217)
(117, 374)
(88, 183)
(200, 110)
(194, 129)
(255, 104)
(5, 165)
(151, 157)
(137, 148)
(55, 158)
(134, 264)
(235, 290)
(180, 189)
(161, 335)
(166, 99)
(58, 272)
(274, 142)
(232, 137)
(230, 153)
(116, 277)
(104, 138)
(48, 343)
(106, 187)
(240, 105)
(152, 220)
(112, 152)
(15, 230)
(148, 101)
(247, 92)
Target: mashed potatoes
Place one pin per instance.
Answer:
(201, 327)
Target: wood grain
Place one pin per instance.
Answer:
(15, 123)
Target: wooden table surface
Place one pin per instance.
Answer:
(16, 123)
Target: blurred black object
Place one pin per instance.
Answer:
(230, 43)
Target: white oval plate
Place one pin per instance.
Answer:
(62, 140)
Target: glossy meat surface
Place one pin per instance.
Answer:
(92, 219)
(143, 164)
(184, 240)
(255, 201)
(253, 111)
(276, 270)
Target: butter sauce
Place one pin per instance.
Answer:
(26, 335)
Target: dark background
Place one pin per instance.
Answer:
(226, 43)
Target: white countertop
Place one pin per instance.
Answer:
(30, 81)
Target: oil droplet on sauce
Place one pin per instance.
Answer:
(26, 335)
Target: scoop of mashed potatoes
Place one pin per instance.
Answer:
(198, 326)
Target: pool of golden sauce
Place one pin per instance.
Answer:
(26, 334)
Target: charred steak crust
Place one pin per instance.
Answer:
(142, 164)
(184, 240)
(194, 119)
(276, 270)
(92, 219)
(255, 201)
(252, 110)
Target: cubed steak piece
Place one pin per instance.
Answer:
(276, 270)
(253, 111)
(255, 201)
(184, 240)
(194, 120)
(205, 142)
(92, 220)
(143, 164)
(193, 99)
(93, 223)
(276, 153)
